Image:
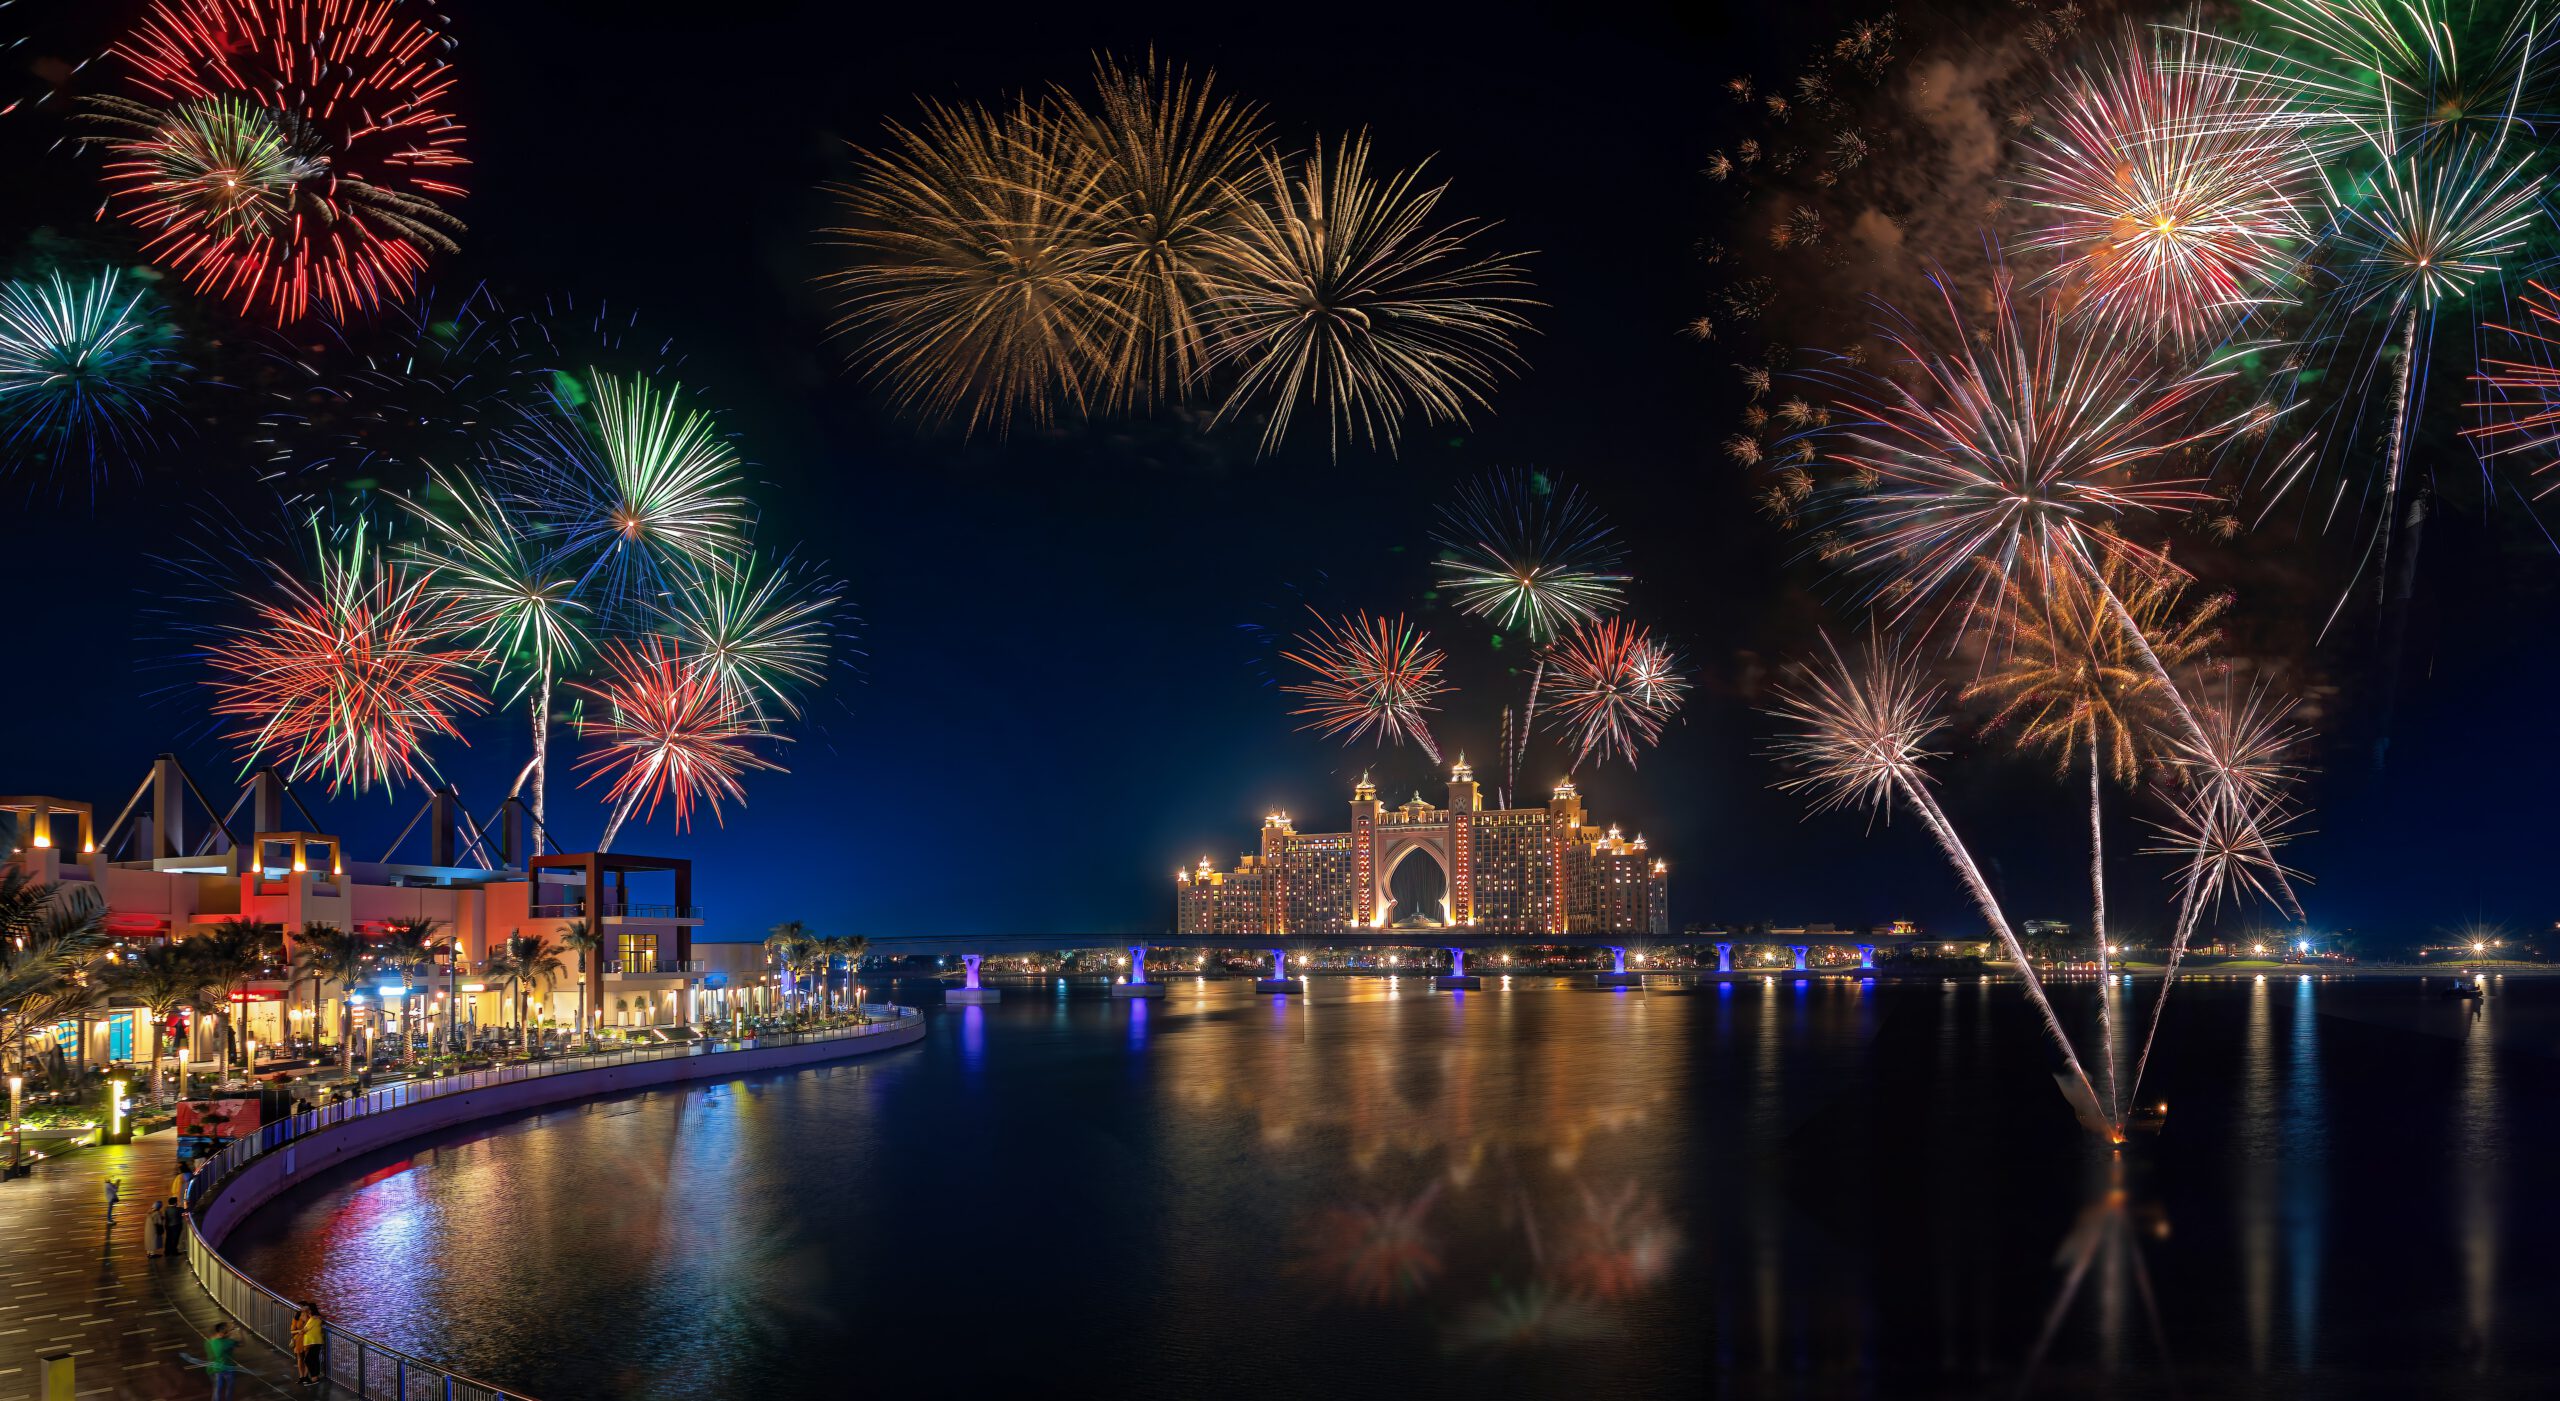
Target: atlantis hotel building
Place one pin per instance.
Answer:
(1525, 871)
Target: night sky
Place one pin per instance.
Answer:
(1062, 693)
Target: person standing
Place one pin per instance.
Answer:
(218, 1362)
(310, 1336)
(155, 1227)
(114, 1190)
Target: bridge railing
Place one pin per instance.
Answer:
(359, 1364)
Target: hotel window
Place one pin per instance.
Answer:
(639, 953)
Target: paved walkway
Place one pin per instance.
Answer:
(70, 1283)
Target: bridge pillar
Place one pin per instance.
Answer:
(1618, 976)
(1801, 951)
(1457, 979)
(1280, 981)
(969, 993)
(1137, 986)
(1724, 958)
(1866, 955)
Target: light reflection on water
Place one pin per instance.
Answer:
(1778, 1185)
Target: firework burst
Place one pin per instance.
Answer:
(1176, 163)
(761, 632)
(348, 678)
(981, 282)
(2523, 411)
(1527, 554)
(2439, 70)
(1860, 738)
(1336, 292)
(631, 485)
(1610, 688)
(2023, 445)
(285, 152)
(667, 734)
(1371, 676)
(85, 370)
(2170, 203)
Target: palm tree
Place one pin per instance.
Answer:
(409, 947)
(787, 946)
(335, 955)
(531, 959)
(49, 936)
(499, 971)
(846, 949)
(163, 979)
(236, 951)
(299, 965)
(580, 937)
(2075, 682)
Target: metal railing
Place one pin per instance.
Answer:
(613, 909)
(359, 1364)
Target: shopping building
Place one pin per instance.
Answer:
(168, 868)
(1526, 871)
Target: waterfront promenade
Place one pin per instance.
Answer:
(71, 1284)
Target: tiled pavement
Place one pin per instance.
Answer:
(70, 1283)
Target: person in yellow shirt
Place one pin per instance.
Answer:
(310, 1337)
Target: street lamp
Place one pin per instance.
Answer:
(16, 1084)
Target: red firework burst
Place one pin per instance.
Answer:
(286, 151)
(349, 678)
(1611, 687)
(1371, 675)
(671, 733)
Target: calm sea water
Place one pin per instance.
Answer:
(1777, 1188)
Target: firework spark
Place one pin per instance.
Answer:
(1612, 687)
(2171, 204)
(631, 485)
(348, 678)
(1372, 675)
(85, 369)
(1526, 554)
(1336, 292)
(667, 734)
(2524, 410)
(285, 152)
(981, 282)
(1861, 739)
(2021, 446)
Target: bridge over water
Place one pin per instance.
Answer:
(1457, 943)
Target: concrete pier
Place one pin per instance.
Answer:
(1280, 981)
(969, 993)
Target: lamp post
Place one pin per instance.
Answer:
(16, 1084)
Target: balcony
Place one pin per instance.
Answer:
(610, 910)
(653, 967)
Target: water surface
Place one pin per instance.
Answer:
(1781, 1188)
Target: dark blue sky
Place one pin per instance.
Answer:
(1061, 698)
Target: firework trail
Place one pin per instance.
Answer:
(1371, 675)
(628, 483)
(1336, 292)
(2069, 680)
(2171, 200)
(510, 593)
(2228, 847)
(666, 734)
(1528, 555)
(1614, 686)
(350, 677)
(85, 369)
(285, 152)
(1863, 740)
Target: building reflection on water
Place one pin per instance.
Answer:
(1771, 1186)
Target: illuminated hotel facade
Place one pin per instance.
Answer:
(1525, 871)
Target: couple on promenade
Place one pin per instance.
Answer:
(310, 1335)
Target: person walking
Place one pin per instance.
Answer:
(310, 1336)
(114, 1191)
(218, 1361)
